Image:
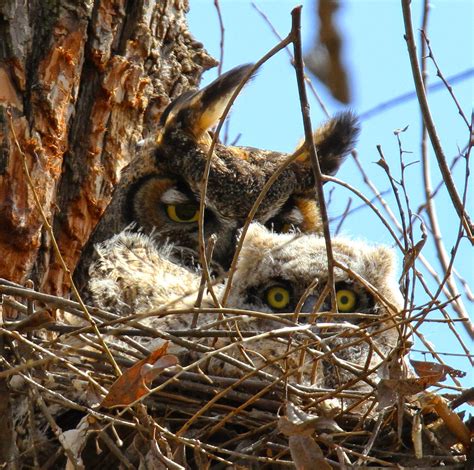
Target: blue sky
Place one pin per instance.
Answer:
(267, 114)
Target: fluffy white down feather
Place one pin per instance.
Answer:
(134, 275)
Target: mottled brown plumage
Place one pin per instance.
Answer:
(167, 171)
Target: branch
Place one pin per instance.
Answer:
(429, 123)
(318, 177)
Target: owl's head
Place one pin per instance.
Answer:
(287, 273)
(295, 261)
(160, 189)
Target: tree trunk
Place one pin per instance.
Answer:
(84, 81)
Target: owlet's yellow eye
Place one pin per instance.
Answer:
(184, 213)
(286, 228)
(346, 300)
(277, 297)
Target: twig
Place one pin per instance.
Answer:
(395, 222)
(343, 216)
(308, 131)
(445, 82)
(447, 275)
(411, 95)
(222, 30)
(369, 203)
(429, 196)
(205, 178)
(429, 123)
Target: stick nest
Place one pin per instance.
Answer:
(55, 377)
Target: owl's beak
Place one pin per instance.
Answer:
(309, 304)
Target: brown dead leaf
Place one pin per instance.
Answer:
(433, 369)
(299, 426)
(411, 255)
(390, 390)
(386, 396)
(410, 386)
(34, 322)
(325, 60)
(132, 384)
(298, 423)
(430, 373)
(306, 454)
(466, 397)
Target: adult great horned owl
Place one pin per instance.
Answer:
(282, 277)
(160, 189)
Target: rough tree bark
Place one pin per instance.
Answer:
(84, 80)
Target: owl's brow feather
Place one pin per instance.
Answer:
(174, 196)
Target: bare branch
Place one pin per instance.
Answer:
(429, 123)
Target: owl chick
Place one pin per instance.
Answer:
(278, 324)
(282, 275)
(160, 189)
(288, 272)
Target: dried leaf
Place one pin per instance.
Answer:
(466, 397)
(395, 367)
(34, 322)
(433, 369)
(407, 387)
(298, 423)
(306, 454)
(429, 373)
(411, 255)
(386, 395)
(132, 384)
(399, 131)
(451, 419)
(75, 441)
(382, 163)
(299, 426)
(325, 61)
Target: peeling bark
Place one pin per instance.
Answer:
(84, 80)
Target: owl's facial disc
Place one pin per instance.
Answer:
(165, 205)
(348, 300)
(279, 296)
(168, 208)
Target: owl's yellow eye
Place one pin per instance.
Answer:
(277, 297)
(286, 228)
(346, 300)
(184, 213)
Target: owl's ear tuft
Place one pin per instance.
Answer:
(195, 112)
(333, 141)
